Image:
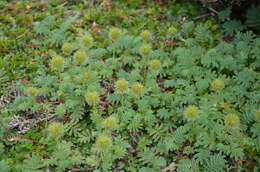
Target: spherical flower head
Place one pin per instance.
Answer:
(121, 86)
(67, 48)
(104, 142)
(155, 65)
(110, 123)
(232, 120)
(86, 75)
(145, 50)
(31, 91)
(87, 41)
(146, 35)
(57, 63)
(217, 85)
(80, 57)
(138, 89)
(257, 115)
(172, 31)
(191, 112)
(115, 33)
(214, 27)
(225, 105)
(92, 98)
(56, 130)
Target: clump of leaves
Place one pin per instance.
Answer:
(123, 102)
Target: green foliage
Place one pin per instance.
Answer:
(252, 17)
(232, 26)
(5, 166)
(108, 99)
(62, 158)
(50, 32)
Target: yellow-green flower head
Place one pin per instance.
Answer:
(31, 91)
(225, 105)
(121, 86)
(172, 31)
(104, 142)
(92, 98)
(57, 63)
(110, 123)
(217, 85)
(80, 57)
(115, 33)
(191, 112)
(56, 130)
(155, 65)
(67, 48)
(87, 41)
(214, 27)
(146, 35)
(138, 89)
(145, 50)
(257, 115)
(86, 75)
(232, 120)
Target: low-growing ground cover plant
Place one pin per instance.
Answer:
(115, 99)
